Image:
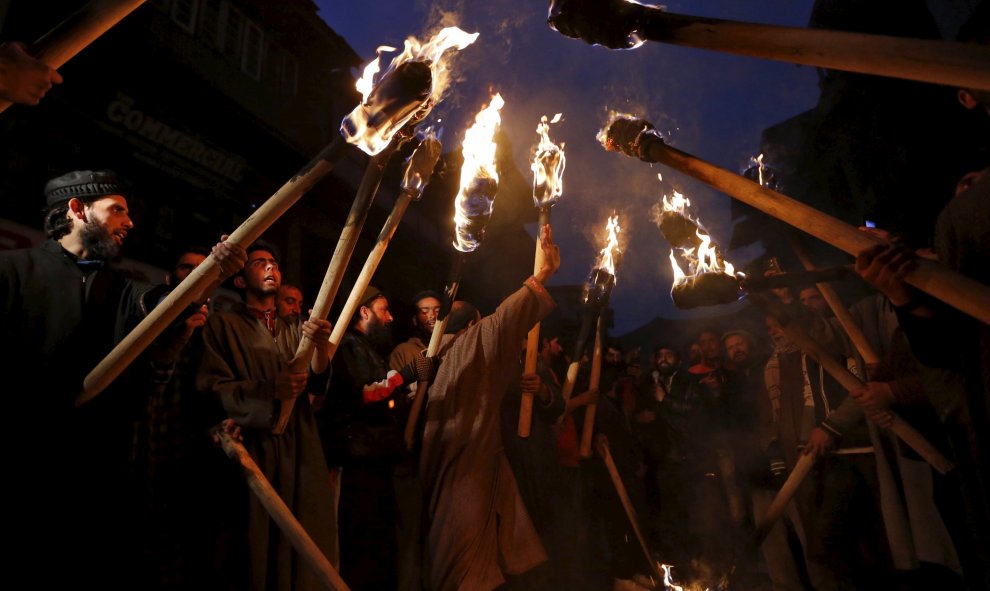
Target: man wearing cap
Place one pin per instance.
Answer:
(63, 307)
(427, 304)
(362, 423)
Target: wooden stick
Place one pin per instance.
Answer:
(207, 272)
(588, 429)
(620, 488)
(338, 264)
(75, 33)
(856, 335)
(959, 291)
(959, 65)
(850, 382)
(449, 296)
(280, 513)
(783, 497)
(421, 387)
(533, 339)
(425, 159)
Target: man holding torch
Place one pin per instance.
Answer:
(245, 364)
(478, 529)
(64, 305)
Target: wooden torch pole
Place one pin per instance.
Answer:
(959, 65)
(338, 264)
(850, 382)
(783, 497)
(280, 513)
(588, 428)
(620, 488)
(959, 291)
(79, 30)
(422, 387)
(533, 339)
(207, 272)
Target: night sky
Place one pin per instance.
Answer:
(713, 105)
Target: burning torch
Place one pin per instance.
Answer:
(638, 138)
(594, 298)
(390, 109)
(711, 284)
(419, 168)
(548, 186)
(623, 24)
(610, 256)
(401, 102)
(472, 210)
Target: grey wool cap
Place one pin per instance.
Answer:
(82, 183)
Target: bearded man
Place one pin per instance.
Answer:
(63, 307)
(362, 424)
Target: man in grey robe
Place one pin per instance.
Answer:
(477, 524)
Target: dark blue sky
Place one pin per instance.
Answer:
(714, 105)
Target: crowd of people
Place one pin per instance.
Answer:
(128, 490)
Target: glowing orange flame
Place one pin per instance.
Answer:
(668, 581)
(703, 256)
(548, 166)
(611, 251)
(365, 126)
(367, 80)
(479, 178)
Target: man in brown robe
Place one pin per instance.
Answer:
(478, 525)
(246, 365)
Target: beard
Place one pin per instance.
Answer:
(98, 243)
(380, 337)
(666, 369)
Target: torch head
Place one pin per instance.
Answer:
(762, 174)
(548, 167)
(705, 289)
(679, 230)
(625, 134)
(472, 213)
(420, 165)
(400, 95)
(597, 289)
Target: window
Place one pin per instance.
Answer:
(232, 33)
(209, 22)
(253, 45)
(288, 73)
(184, 14)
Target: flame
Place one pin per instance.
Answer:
(676, 268)
(548, 166)
(365, 126)
(367, 80)
(611, 251)
(668, 581)
(703, 258)
(479, 178)
(677, 203)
